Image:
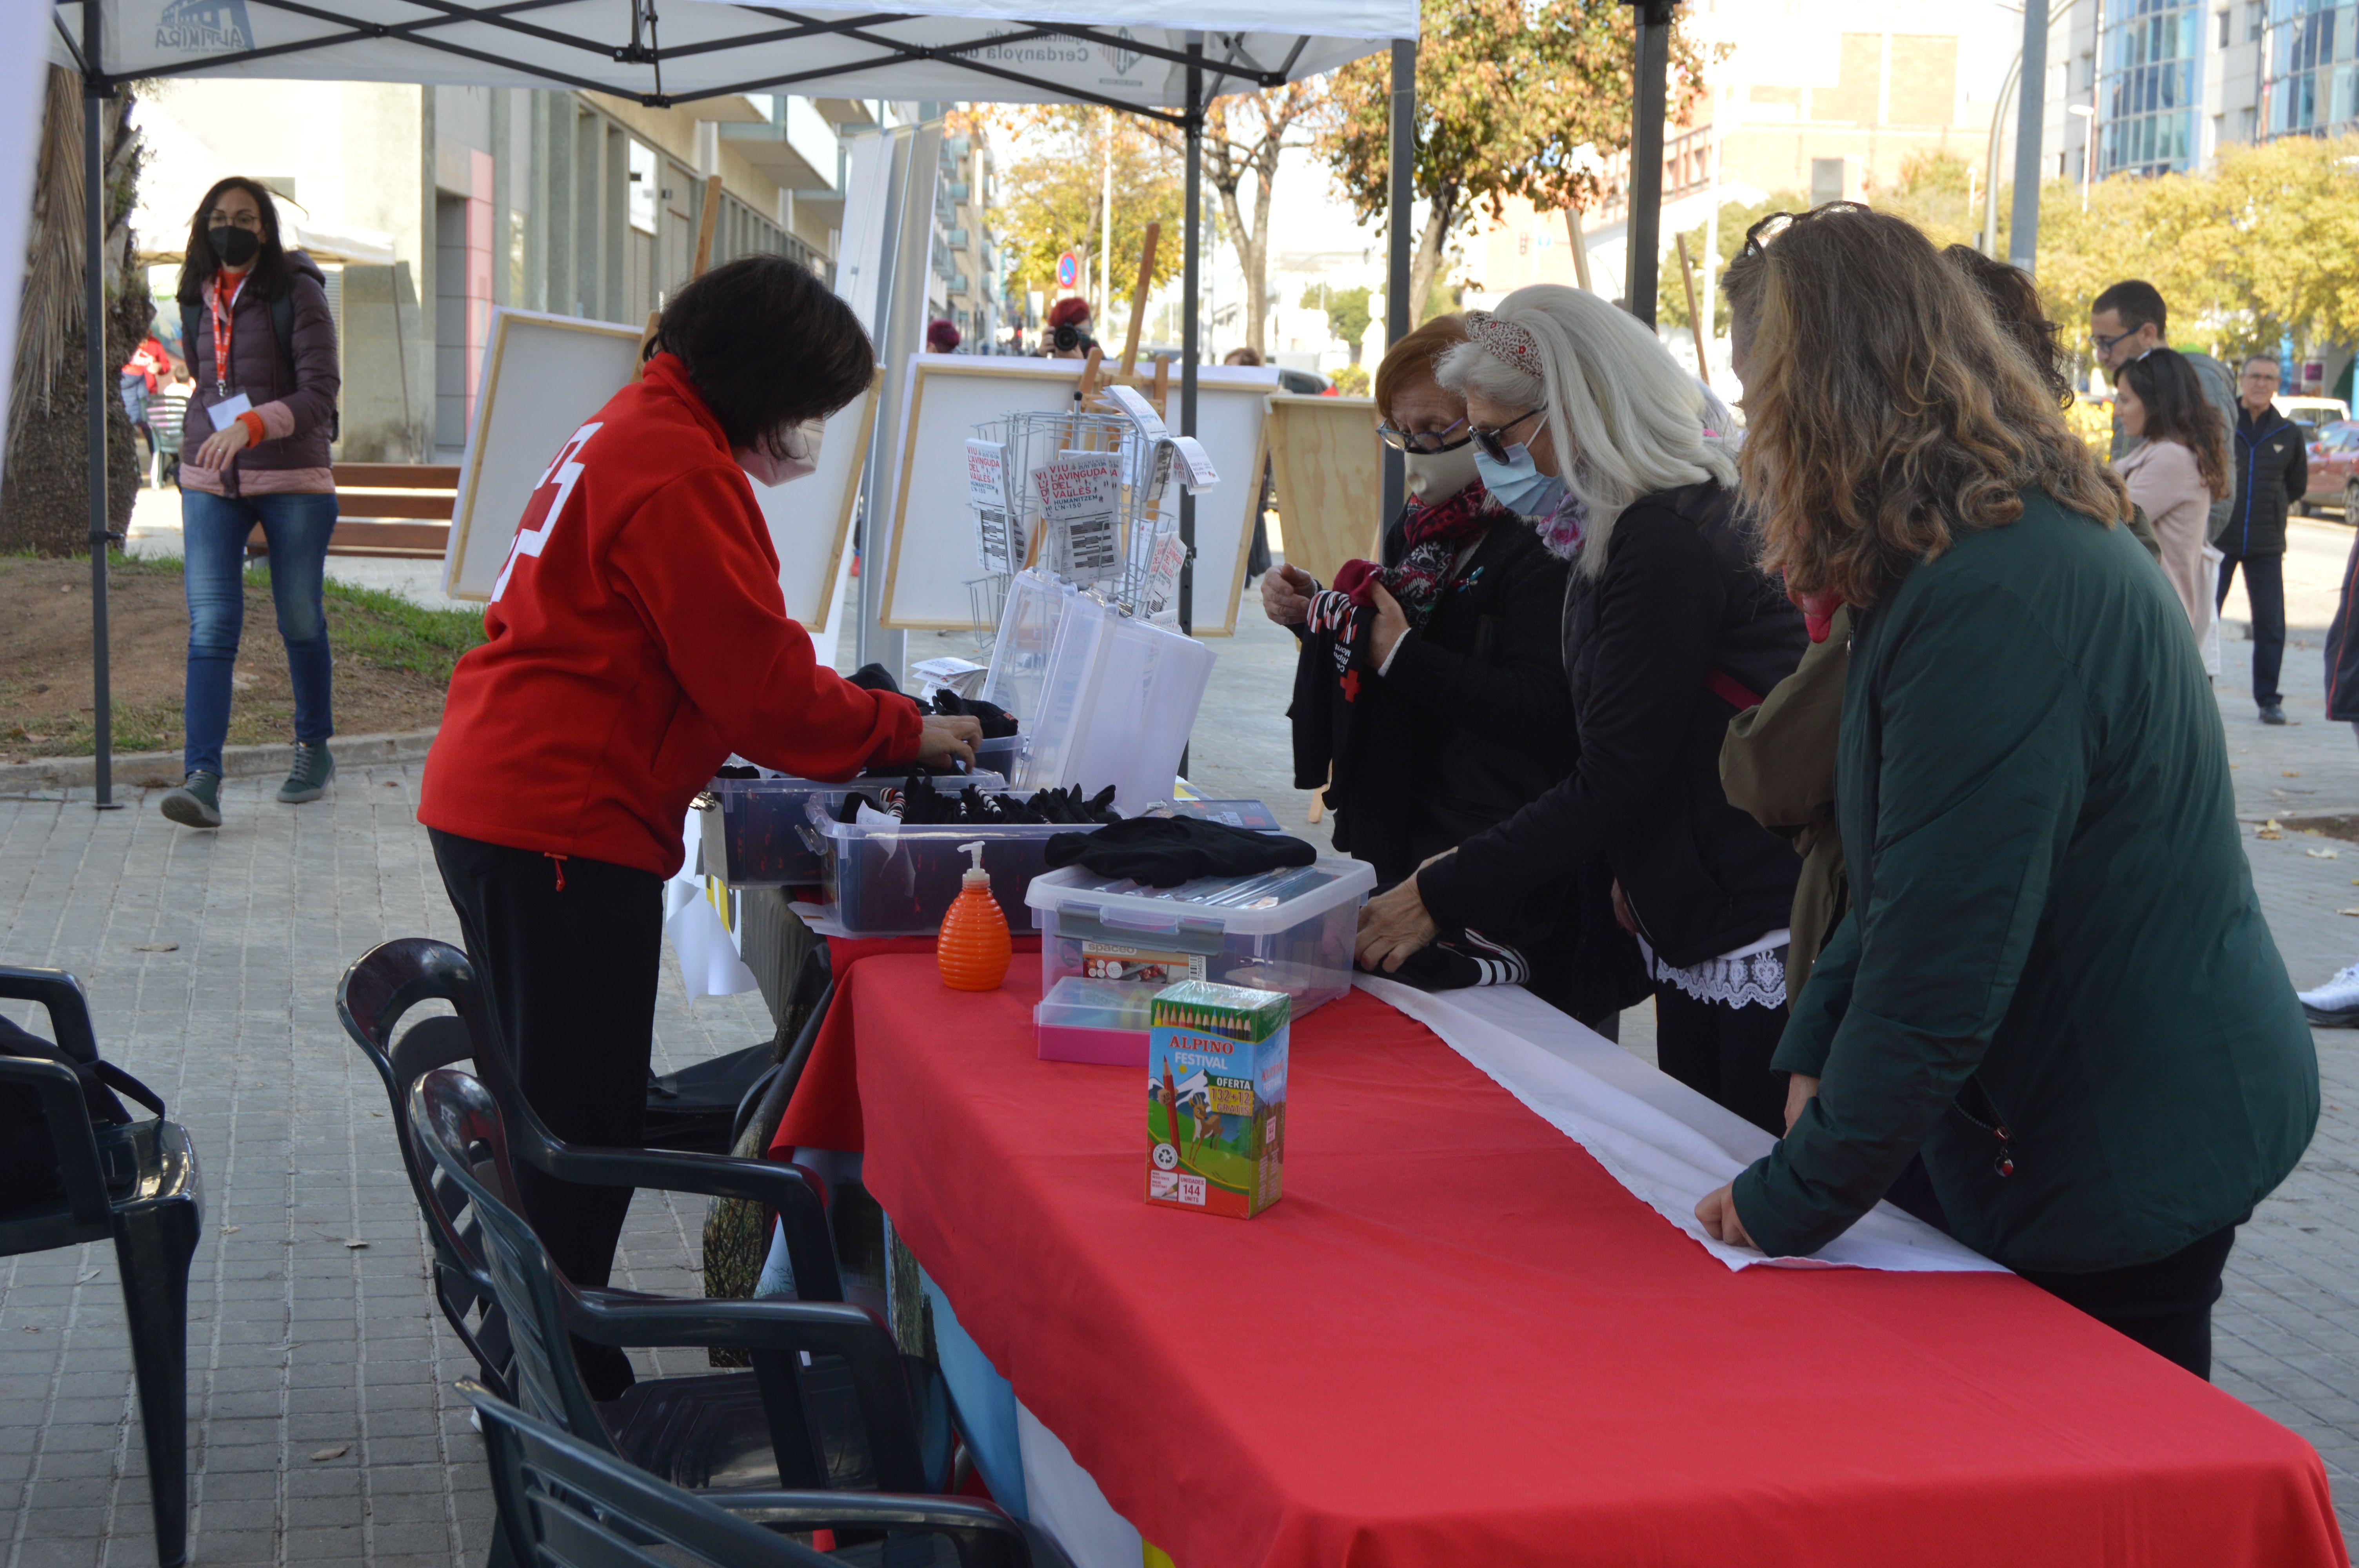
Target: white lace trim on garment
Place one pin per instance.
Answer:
(1753, 976)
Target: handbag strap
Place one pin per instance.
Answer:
(1730, 690)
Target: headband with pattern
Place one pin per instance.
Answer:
(1505, 341)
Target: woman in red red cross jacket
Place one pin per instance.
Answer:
(637, 636)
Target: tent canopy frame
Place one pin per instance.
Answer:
(1204, 74)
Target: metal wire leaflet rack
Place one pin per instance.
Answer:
(1085, 496)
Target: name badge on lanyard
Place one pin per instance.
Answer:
(221, 308)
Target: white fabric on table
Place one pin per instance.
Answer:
(1064, 1501)
(1668, 1144)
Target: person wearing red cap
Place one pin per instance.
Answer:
(1068, 329)
(942, 336)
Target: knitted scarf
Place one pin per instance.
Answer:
(1435, 534)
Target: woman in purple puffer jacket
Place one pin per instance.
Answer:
(254, 448)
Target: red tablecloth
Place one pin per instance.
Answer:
(825, 1110)
(1458, 1341)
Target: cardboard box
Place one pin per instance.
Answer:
(1216, 1097)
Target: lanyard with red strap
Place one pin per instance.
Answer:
(220, 312)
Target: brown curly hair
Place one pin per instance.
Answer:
(1886, 411)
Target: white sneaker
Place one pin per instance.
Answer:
(2335, 1004)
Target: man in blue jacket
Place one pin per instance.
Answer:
(2272, 468)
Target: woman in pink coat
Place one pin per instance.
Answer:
(2179, 471)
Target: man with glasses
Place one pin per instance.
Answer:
(2127, 322)
(2271, 465)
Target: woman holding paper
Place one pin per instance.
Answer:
(261, 342)
(637, 636)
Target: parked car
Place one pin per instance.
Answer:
(2335, 469)
(1309, 383)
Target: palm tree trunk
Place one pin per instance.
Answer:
(44, 491)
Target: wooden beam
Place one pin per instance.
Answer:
(1138, 300)
(704, 223)
(1695, 322)
(1580, 248)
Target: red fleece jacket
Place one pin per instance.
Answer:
(637, 636)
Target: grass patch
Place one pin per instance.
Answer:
(393, 658)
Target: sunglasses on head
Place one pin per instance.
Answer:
(1770, 226)
(1490, 442)
(1423, 442)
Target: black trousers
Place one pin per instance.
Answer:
(1722, 1054)
(2165, 1305)
(2265, 590)
(571, 972)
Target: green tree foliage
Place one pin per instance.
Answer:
(1347, 313)
(1054, 192)
(1514, 97)
(2261, 252)
(1736, 217)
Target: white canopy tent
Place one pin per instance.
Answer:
(1120, 54)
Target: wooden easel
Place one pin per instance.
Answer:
(705, 221)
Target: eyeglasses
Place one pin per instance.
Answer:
(1769, 227)
(2105, 344)
(244, 220)
(1494, 449)
(1426, 442)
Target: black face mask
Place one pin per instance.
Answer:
(236, 246)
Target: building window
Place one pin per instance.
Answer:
(2310, 85)
(2223, 29)
(2149, 87)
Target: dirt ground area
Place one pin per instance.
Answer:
(392, 659)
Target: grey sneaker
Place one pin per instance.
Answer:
(307, 778)
(196, 803)
(2273, 714)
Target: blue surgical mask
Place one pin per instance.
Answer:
(1519, 484)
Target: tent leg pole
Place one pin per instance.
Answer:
(1189, 326)
(1402, 153)
(1649, 90)
(2031, 106)
(93, 181)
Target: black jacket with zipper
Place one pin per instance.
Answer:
(2272, 473)
(1679, 597)
(1471, 722)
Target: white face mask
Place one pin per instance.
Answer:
(798, 456)
(1434, 477)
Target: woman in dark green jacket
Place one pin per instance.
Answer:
(2055, 981)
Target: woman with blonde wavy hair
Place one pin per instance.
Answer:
(1668, 630)
(2054, 980)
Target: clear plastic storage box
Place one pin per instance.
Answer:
(1103, 698)
(881, 879)
(763, 822)
(1287, 930)
(1095, 1020)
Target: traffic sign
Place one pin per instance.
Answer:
(1069, 270)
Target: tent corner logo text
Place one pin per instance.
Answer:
(204, 27)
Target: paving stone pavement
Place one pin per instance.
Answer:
(300, 1345)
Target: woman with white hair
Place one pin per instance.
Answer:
(1669, 632)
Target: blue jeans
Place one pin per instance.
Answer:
(213, 530)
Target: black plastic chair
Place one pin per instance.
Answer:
(137, 1185)
(394, 977)
(564, 1504)
(830, 1402)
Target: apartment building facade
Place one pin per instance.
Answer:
(429, 207)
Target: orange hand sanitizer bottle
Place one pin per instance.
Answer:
(973, 949)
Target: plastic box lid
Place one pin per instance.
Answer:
(1256, 905)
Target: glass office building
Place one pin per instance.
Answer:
(2310, 83)
(2149, 85)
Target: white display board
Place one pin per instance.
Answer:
(932, 556)
(810, 519)
(545, 377)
